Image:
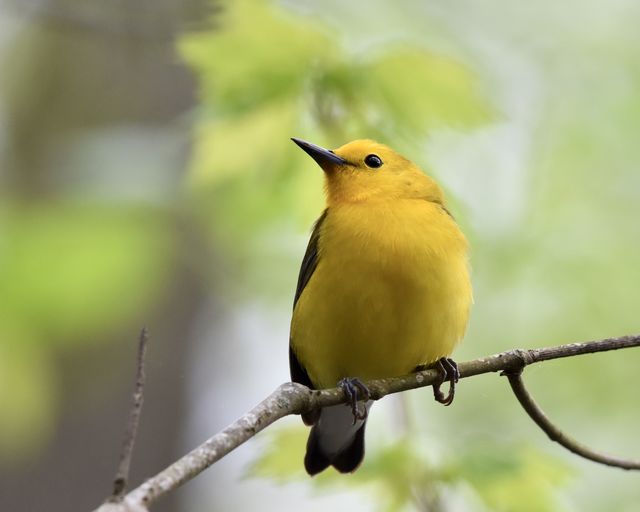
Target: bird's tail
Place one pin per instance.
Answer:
(335, 440)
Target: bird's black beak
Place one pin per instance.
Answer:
(321, 155)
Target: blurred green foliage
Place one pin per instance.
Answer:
(67, 272)
(516, 477)
(266, 75)
(402, 473)
(94, 242)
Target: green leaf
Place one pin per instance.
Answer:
(267, 74)
(62, 266)
(281, 459)
(414, 92)
(512, 478)
(256, 53)
(28, 400)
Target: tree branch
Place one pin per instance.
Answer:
(557, 435)
(291, 398)
(122, 475)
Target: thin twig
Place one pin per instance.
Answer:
(291, 398)
(122, 476)
(557, 435)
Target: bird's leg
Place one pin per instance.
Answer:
(354, 389)
(448, 370)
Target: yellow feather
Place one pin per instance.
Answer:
(391, 289)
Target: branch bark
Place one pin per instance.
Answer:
(137, 398)
(555, 434)
(291, 398)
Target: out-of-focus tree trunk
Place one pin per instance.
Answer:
(77, 67)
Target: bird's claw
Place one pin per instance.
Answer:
(355, 390)
(448, 370)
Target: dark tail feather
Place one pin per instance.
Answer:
(315, 460)
(346, 461)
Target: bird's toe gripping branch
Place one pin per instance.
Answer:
(355, 390)
(448, 370)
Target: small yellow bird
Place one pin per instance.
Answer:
(383, 289)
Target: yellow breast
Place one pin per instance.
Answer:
(391, 291)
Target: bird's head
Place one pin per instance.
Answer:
(364, 170)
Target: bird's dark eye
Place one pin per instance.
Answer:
(373, 161)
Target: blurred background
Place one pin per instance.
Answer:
(147, 178)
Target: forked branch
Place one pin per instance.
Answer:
(293, 398)
(557, 435)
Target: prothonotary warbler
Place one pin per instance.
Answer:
(383, 289)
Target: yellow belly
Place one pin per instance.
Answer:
(391, 291)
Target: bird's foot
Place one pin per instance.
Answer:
(354, 389)
(448, 370)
